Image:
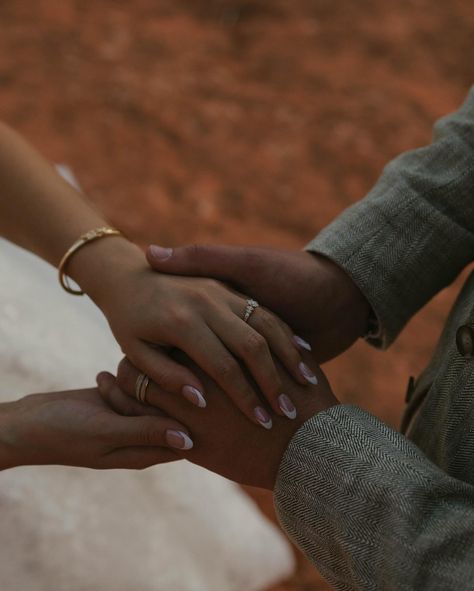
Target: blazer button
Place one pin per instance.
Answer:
(465, 341)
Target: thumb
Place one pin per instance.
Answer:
(151, 431)
(227, 263)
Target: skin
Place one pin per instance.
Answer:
(308, 291)
(77, 428)
(148, 312)
(221, 432)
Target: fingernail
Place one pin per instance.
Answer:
(263, 417)
(178, 440)
(302, 343)
(287, 407)
(194, 396)
(160, 253)
(307, 373)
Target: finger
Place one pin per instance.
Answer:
(152, 432)
(213, 358)
(209, 353)
(166, 403)
(281, 341)
(145, 431)
(138, 458)
(232, 263)
(252, 348)
(120, 402)
(168, 374)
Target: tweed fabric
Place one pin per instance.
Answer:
(414, 232)
(372, 508)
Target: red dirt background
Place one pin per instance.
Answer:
(245, 122)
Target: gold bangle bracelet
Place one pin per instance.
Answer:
(83, 240)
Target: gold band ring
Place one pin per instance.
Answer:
(141, 386)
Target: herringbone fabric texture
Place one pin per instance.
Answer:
(414, 232)
(372, 508)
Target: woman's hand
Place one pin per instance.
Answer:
(77, 428)
(316, 297)
(146, 309)
(224, 441)
(151, 312)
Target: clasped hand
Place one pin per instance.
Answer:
(309, 292)
(151, 313)
(224, 441)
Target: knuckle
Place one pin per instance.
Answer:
(254, 343)
(179, 316)
(266, 319)
(208, 289)
(151, 436)
(194, 251)
(213, 284)
(206, 293)
(126, 373)
(228, 368)
(105, 434)
(203, 296)
(122, 405)
(166, 380)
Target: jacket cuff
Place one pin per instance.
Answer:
(414, 232)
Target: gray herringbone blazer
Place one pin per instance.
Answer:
(372, 508)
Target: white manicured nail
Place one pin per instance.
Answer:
(178, 440)
(263, 417)
(307, 374)
(302, 343)
(287, 407)
(160, 253)
(194, 396)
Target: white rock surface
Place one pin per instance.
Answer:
(169, 528)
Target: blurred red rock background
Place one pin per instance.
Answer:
(245, 122)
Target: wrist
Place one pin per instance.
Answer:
(99, 266)
(349, 296)
(348, 301)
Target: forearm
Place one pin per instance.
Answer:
(38, 209)
(370, 510)
(414, 232)
(42, 213)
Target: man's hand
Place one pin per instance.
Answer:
(225, 442)
(308, 291)
(77, 428)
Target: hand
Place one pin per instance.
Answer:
(201, 317)
(308, 291)
(77, 428)
(224, 441)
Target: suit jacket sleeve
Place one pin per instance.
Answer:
(371, 511)
(414, 232)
